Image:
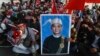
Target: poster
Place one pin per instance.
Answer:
(55, 30)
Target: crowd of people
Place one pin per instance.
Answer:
(85, 29)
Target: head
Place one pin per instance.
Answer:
(21, 24)
(86, 7)
(73, 19)
(34, 19)
(97, 28)
(9, 13)
(56, 26)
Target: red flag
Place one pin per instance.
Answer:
(53, 8)
(69, 11)
(37, 2)
(16, 34)
(75, 5)
(92, 1)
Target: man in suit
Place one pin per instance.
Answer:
(55, 43)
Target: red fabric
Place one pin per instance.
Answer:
(16, 34)
(69, 11)
(92, 1)
(53, 8)
(75, 5)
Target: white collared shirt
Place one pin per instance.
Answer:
(56, 36)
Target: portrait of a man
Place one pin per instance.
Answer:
(56, 40)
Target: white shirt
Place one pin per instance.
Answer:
(56, 36)
(95, 42)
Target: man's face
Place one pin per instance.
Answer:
(56, 28)
(21, 26)
(97, 30)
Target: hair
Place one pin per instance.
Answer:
(53, 25)
(20, 21)
(96, 25)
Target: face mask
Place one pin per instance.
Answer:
(8, 16)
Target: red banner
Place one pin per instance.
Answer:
(75, 5)
(92, 1)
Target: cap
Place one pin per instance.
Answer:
(56, 21)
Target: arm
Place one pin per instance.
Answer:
(32, 35)
(34, 43)
(10, 38)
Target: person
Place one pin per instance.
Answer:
(9, 18)
(3, 6)
(22, 39)
(86, 27)
(94, 40)
(55, 43)
(73, 42)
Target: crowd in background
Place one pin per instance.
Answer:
(85, 32)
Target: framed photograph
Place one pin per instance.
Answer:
(55, 31)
